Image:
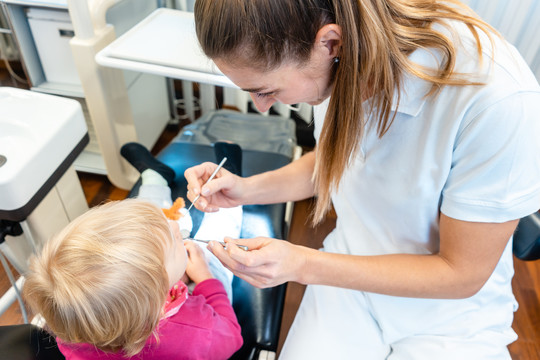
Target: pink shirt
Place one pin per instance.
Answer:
(205, 327)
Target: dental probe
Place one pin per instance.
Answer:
(207, 181)
(224, 244)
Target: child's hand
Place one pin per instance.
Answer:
(197, 268)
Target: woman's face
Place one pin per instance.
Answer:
(288, 84)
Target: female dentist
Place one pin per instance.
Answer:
(427, 147)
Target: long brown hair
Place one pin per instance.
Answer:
(377, 37)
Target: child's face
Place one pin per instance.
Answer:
(176, 257)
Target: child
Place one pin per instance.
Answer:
(101, 285)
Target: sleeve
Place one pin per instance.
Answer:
(226, 332)
(495, 173)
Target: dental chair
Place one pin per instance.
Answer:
(268, 142)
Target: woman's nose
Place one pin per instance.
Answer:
(262, 104)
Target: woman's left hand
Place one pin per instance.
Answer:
(267, 263)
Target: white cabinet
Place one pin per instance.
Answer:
(51, 30)
(43, 30)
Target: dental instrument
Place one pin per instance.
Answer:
(207, 181)
(185, 235)
(223, 243)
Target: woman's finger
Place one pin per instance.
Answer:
(196, 176)
(219, 251)
(258, 278)
(218, 183)
(256, 281)
(253, 257)
(251, 244)
(255, 266)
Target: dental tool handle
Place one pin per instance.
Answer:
(207, 181)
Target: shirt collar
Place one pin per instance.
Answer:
(414, 89)
(413, 96)
(176, 297)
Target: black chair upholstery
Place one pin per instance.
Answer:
(527, 238)
(27, 342)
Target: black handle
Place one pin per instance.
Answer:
(66, 33)
(9, 228)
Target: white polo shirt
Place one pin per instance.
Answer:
(472, 153)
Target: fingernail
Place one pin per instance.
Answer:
(205, 191)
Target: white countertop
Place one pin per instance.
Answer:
(165, 44)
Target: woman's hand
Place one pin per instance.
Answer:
(223, 191)
(291, 182)
(269, 262)
(197, 268)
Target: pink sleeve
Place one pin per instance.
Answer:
(227, 337)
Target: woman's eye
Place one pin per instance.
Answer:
(263, 95)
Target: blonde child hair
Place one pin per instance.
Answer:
(102, 280)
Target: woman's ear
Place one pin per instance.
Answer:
(329, 37)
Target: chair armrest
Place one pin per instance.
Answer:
(527, 238)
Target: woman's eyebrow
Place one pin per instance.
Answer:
(254, 89)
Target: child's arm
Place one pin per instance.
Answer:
(226, 336)
(225, 331)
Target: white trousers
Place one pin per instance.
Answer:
(335, 323)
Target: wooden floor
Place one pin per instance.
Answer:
(526, 282)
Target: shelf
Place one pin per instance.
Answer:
(57, 4)
(55, 88)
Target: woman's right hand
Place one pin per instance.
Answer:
(223, 191)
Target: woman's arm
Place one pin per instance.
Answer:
(292, 182)
(468, 255)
